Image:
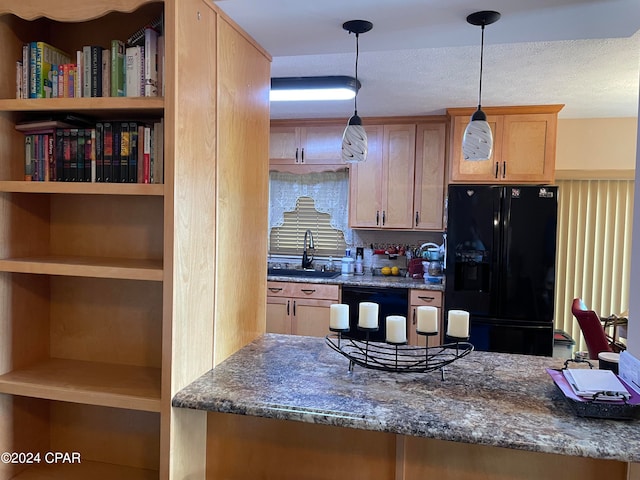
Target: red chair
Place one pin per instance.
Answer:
(592, 329)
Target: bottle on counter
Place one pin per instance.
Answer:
(359, 268)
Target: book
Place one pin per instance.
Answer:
(150, 62)
(146, 156)
(106, 72)
(78, 73)
(54, 80)
(28, 166)
(99, 152)
(160, 60)
(86, 71)
(39, 125)
(19, 79)
(70, 72)
(25, 71)
(51, 154)
(125, 151)
(95, 71)
(158, 152)
(137, 37)
(66, 155)
(118, 86)
(89, 157)
(59, 155)
(33, 48)
(80, 175)
(73, 155)
(107, 151)
(134, 71)
(115, 152)
(140, 159)
(46, 56)
(61, 82)
(133, 153)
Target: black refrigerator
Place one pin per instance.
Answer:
(500, 264)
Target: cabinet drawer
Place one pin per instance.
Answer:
(425, 297)
(303, 290)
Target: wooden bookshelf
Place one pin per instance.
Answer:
(117, 295)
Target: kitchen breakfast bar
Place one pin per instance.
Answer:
(288, 407)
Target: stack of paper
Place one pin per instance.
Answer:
(587, 383)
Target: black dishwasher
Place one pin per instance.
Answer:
(391, 301)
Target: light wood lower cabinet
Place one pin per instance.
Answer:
(300, 308)
(418, 298)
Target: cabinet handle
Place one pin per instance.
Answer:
(414, 316)
(384, 217)
(288, 302)
(296, 155)
(417, 219)
(427, 299)
(275, 289)
(504, 169)
(495, 175)
(294, 308)
(302, 156)
(308, 291)
(377, 217)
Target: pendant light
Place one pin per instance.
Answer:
(354, 139)
(477, 142)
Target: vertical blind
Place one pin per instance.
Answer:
(594, 249)
(288, 238)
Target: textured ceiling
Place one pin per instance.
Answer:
(422, 56)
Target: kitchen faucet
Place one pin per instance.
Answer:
(306, 259)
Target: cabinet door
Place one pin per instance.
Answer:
(310, 317)
(528, 148)
(284, 145)
(399, 150)
(428, 200)
(477, 171)
(365, 184)
(321, 145)
(278, 315)
(416, 299)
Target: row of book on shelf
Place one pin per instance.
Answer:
(122, 69)
(115, 152)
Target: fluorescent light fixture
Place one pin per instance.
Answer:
(338, 87)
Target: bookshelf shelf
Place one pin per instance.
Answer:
(96, 105)
(126, 269)
(82, 188)
(87, 469)
(92, 383)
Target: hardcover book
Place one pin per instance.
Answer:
(118, 86)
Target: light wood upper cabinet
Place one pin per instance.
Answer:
(381, 188)
(308, 145)
(524, 145)
(428, 197)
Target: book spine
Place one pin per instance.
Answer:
(71, 75)
(66, 155)
(80, 156)
(33, 47)
(86, 71)
(28, 167)
(118, 88)
(35, 146)
(158, 149)
(125, 151)
(73, 155)
(19, 79)
(59, 155)
(107, 148)
(51, 150)
(140, 160)
(133, 152)
(25, 70)
(99, 152)
(89, 156)
(150, 62)
(61, 81)
(160, 61)
(132, 86)
(115, 158)
(54, 80)
(106, 72)
(146, 154)
(96, 71)
(49, 56)
(79, 74)
(38, 69)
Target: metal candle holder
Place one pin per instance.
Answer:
(401, 358)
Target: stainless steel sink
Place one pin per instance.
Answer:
(298, 272)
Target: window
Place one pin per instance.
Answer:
(288, 239)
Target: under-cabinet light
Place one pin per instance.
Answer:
(313, 88)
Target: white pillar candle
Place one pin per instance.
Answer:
(339, 316)
(368, 315)
(458, 324)
(427, 319)
(396, 329)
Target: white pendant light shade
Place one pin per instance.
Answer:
(354, 138)
(354, 142)
(477, 142)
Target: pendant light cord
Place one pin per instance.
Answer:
(355, 98)
(481, 58)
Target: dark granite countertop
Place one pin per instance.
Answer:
(494, 399)
(364, 281)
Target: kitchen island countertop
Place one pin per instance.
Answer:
(364, 281)
(494, 399)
